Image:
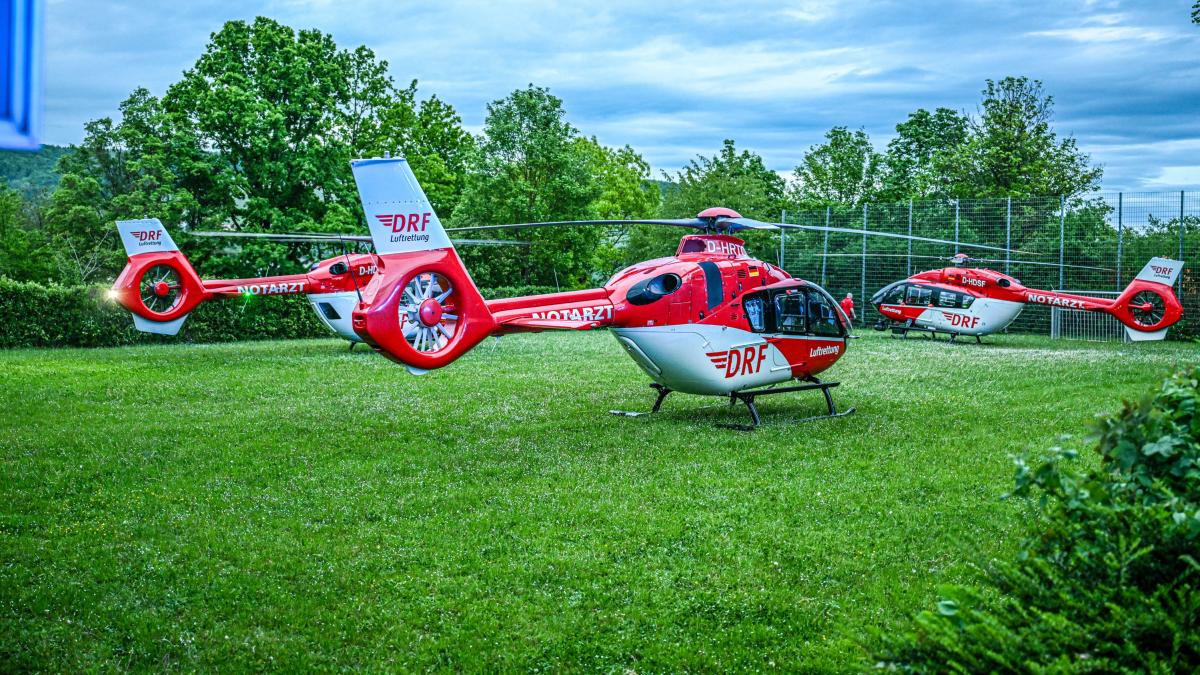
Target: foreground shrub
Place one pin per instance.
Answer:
(1108, 580)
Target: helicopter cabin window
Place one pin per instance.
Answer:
(756, 313)
(895, 296)
(789, 313)
(917, 295)
(953, 299)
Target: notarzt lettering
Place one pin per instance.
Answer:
(272, 289)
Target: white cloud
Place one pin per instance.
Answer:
(1091, 34)
(1177, 177)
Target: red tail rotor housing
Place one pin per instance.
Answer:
(1147, 306)
(423, 310)
(159, 286)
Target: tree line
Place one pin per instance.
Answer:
(257, 136)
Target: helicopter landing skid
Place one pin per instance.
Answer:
(748, 397)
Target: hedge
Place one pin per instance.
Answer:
(1108, 579)
(32, 315)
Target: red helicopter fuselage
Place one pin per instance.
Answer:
(972, 301)
(708, 320)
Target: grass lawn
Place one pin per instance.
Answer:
(291, 505)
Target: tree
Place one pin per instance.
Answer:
(24, 251)
(1013, 152)
(625, 192)
(738, 180)
(257, 135)
(278, 112)
(917, 158)
(529, 167)
(1196, 12)
(845, 169)
(430, 135)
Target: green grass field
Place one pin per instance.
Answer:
(291, 505)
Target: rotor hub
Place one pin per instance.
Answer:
(430, 312)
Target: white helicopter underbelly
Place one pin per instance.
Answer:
(984, 317)
(337, 315)
(701, 359)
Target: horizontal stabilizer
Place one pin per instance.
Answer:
(158, 327)
(1145, 336)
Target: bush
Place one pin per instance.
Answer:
(1108, 580)
(32, 315)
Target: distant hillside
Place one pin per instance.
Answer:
(31, 172)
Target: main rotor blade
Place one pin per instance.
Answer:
(682, 222)
(321, 237)
(1044, 264)
(288, 237)
(969, 259)
(848, 230)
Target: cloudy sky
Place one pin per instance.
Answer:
(673, 79)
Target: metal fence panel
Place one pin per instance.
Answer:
(1118, 232)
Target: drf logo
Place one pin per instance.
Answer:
(1162, 271)
(147, 237)
(739, 360)
(961, 320)
(405, 222)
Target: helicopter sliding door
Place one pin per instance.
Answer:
(803, 325)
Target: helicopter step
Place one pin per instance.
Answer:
(903, 329)
(748, 397)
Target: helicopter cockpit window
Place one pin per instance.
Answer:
(822, 317)
(895, 295)
(789, 313)
(917, 295)
(756, 312)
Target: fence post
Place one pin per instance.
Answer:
(862, 297)
(782, 232)
(825, 248)
(956, 226)
(1181, 231)
(909, 268)
(1062, 240)
(1008, 235)
(1120, 233)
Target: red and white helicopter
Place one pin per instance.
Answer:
(166, 285)
(962, 300)
(709, 320)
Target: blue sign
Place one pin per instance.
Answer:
(20, 74)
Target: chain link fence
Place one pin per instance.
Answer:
(1095, 244)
